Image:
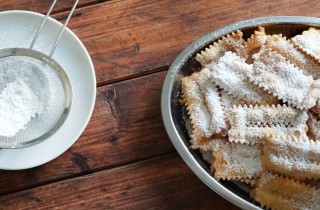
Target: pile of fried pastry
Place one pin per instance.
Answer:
(255, 107)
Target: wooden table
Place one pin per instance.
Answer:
(124, 159)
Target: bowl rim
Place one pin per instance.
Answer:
(167, 88)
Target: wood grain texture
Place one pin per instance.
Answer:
(42, 6)
(161, 183)
(126, 126)
(132, 43)
(130, 38)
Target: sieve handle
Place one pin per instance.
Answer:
(64, 26)
(61, 31)
(42, 24)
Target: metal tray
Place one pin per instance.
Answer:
(185, 64)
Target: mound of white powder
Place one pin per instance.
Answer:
(27, 91)
(18, 105)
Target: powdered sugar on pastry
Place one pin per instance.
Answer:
(228, 101)
(277, 192)
(287, 49)
(272, 72)
(234, 43)
(314, 127)
(267, 115)
(192, 97)
(214, 107)
(255, 134)
(251, 124)
(260, 93)
(228, 75)
(256, 41)
(235, 161)
(309, 42)
(298, 158)
(206, 145)
(203, 104)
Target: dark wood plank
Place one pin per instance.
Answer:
(42, 6)
(129, 38)
(126, 126)
(161, 183)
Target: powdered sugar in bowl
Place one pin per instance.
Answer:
(23, 96)
(17, 30)
(37, 94)
(35, 97)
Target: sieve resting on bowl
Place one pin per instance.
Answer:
(42, 126)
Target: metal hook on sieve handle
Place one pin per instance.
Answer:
(61, 31)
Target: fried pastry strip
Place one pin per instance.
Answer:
(206, 144)
(256, 41)
(280, 114)
(203, 104)
(256, 134)
(287, 49)
(202, 143)
(251, 124)
(273, 73)
(245, 183)
(228, 101)
(314, 127)
(234, 43)
(298, 158)
(228, 75)
(206, 155)
(316, 109)
(309, 42)
(233, 161)
(274, 192)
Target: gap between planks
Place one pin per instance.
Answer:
(133, 76)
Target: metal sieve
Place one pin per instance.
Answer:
(58, 94)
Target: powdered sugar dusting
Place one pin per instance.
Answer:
(23, 32)
(38, 98)
(215, 110)
(273, 73)
(228, 75)
(251, 124)
(267, 93)
(314, 127)
(309, 42)
(18, 105)
(285, 48)
(277, 192)
(234, 43)
(203, 103)
(229, 101)
(255, 134)
(236, 160)
(198, 113)
(295, 157)
(267, 115)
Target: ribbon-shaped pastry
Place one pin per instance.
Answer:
(233, 43)
(249, 124)
(253, 111)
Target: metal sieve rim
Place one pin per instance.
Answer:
(66, 86)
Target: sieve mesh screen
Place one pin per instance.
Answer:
(45, 83)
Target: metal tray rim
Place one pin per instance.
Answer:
(167, 89)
